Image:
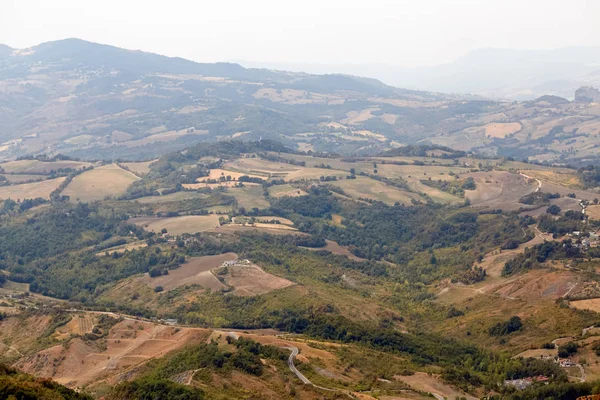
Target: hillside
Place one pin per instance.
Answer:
(237, 270)
(93, 101)
(511, 74)
(177, 230)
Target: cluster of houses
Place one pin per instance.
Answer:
(522, 384)
(593, 240)
(235, 262)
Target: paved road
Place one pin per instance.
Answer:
(305, 380)
(293, 368)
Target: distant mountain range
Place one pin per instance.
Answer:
(102, 101)
(94, 101)
(495, 73)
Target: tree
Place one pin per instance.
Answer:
(553, 209)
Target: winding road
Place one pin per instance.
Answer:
(294, 353)
(304, 379)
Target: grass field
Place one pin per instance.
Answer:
(40, 167)
(122, 248)
(30, 190)
(335, 248)
(178, 225)
(98, 183)
(21, 178)
(285, 190)
(593, 211)
(498, 189)
(501, 130)
(588, 304)
(177, 196)
(566, 179)
(249, 197)
(162, 137)
(138, 168)
(263, 168)
(375, 190)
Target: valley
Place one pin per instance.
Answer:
(173, 229)
(317, 253)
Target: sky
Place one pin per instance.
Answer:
(394, 32)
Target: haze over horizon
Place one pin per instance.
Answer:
(386, 32)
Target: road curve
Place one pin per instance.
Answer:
(304, 379)
(293, 354)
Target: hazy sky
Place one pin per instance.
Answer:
(415, 32)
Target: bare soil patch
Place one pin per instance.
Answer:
(128, 344)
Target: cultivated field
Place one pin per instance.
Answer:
(177, 196)
(498, 190)
(251, 280)
(263, 168)
(197, 270)
(178, 225)
(371, 189)
(30, 190)
(588, 304)
(98, 183)
(80, 324)
(249, 197)
(40, 167)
